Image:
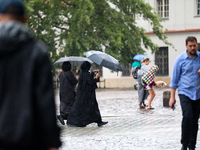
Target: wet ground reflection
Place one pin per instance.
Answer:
(129, 127)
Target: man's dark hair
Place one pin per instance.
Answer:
(191, 39)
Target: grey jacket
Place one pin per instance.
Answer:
(142, 70)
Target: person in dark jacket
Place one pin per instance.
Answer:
(67, 91)
(85, 109)
(27, 106)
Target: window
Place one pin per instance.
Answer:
(161, 59)
(126, 70)
(198, 7)
(163, 8)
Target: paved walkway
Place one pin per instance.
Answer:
(128, 128)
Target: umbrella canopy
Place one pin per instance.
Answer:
(74, 60)
(104, 60)
(140, 56)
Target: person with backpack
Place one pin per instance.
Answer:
(142, 93)
(134, 65)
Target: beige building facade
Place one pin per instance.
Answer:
(181, 18)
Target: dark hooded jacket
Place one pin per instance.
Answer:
(85, 109)
(27, 106)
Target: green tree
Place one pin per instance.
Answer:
(72, 27)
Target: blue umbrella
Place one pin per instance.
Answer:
(139, 57)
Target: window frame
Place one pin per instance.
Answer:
(163, 63)
(163, 9)
(197, 8)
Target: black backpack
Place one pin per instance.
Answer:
(135, 71)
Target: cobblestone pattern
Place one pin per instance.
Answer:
(128, 128)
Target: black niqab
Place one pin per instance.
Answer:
(85, 109)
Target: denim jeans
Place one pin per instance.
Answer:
(190, 113)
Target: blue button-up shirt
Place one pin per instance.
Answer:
(185, 76)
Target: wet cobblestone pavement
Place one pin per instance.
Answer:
(128, 128)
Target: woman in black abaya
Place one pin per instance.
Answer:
(85, 109)
(67, 91)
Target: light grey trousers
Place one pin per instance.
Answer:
(142, 93)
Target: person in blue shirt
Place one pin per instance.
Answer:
(186, 77)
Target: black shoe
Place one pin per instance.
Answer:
(135, 86)
(61, 120)
(102, 123)
(191, 148)
(140, 105)
(144, 104)
(184, 147)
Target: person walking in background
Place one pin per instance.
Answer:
(186, 77)
(148, 83)
(142, 93)
(135, 64)
(27, 106)
(67, 91)
(85, 109)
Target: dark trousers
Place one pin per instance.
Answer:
(190, 113)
